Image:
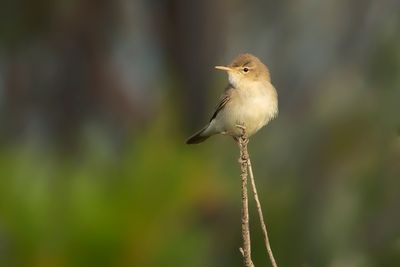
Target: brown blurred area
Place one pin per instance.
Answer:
(97, 97)
(65, 75)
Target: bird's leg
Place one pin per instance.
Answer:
(244, 134)
(241, 127)
(242, 141)
(237, 138)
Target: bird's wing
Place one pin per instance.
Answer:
(225, 98)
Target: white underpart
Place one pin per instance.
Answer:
(253, 106)
(234, 79)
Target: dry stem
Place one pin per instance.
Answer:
(260, 215)
(243, 160)
(245, 166)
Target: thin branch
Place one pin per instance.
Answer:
(260, 215)
(243, 160)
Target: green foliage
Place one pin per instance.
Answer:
(130, 211)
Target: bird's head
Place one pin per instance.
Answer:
(246, 68)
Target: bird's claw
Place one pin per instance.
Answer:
(243, 137)
(242, 127)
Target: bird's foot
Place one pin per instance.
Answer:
(243, 139)
(242, 127)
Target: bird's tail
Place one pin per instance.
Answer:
(199, 136)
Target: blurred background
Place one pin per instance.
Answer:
(97, 98)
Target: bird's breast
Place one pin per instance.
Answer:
(253, 107)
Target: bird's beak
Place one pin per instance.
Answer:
(223, 68)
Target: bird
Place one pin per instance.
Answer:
(249, 102)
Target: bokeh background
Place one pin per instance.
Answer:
(97, 98)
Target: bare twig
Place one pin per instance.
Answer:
(243, 160)
(260, 215)
(245, 166)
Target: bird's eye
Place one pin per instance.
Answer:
(245, 69)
